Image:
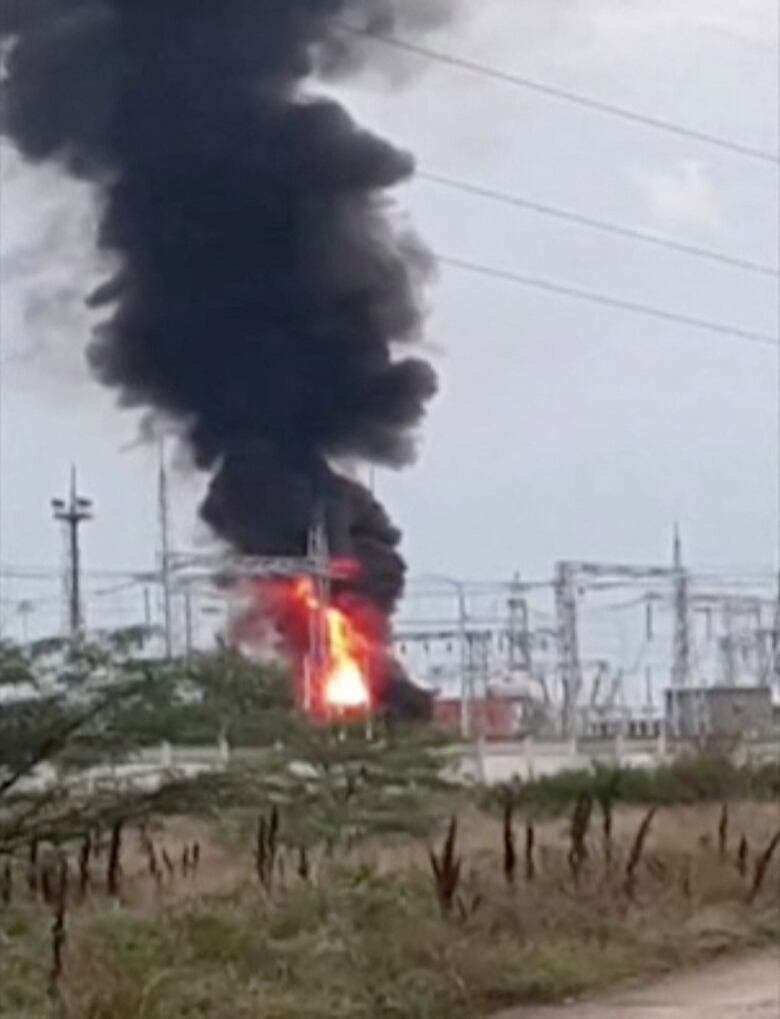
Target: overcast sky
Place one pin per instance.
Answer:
(563, 430)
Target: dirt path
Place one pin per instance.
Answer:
(748, 989)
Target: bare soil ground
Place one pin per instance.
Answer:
(743, 989)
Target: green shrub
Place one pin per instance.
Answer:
(694, 778)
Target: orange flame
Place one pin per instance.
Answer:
(343, 685)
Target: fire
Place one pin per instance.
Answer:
(345, 686)
(340, 681)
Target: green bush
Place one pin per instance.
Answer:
(694, 778)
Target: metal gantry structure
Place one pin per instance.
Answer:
(747, 638)
(720, 630)
(504, 653)
(476, 638)
(227, 571)
(571, 580)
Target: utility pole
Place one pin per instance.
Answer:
(25, 608)
(774, 668)
(188, 624)
(649, 619)
(72, 513)
(649, 699)
(165, 554)
(681, 650)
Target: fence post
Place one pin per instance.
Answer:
(620, 747)
(528, 754)
(224, 750)
(661, 748)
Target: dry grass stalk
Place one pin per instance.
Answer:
(607, 794)
(580, 823)
(723, 831)
(260, 850)
(47, 883)
(446, 869)
(606, 829)
(686, 877)
(85, 855)
(266, 848)
(656, 866)
(168, 862)
(530, 843)
(114, 859)
(58, 935)
(761, 867)
(151, 857)
(637, 848)
(304, 869)
(32, 868)
(510, 853)
(743, 853)
(470, 907)
(7, 884)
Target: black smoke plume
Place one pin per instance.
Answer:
(263, 292)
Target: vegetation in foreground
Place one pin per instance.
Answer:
(324, 876)
(381, 931)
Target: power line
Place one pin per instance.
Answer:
(607, 300)
(565, 95)
(115, 589)
(581, 219)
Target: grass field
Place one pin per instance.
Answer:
(363, 935)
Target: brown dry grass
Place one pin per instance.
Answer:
(675, 832)
(364, 937)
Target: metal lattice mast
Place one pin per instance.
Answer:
(681, 647)
(569, 665)
(519, 639)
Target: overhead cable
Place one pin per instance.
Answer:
(616, 229)
(567, 95)
(606, 300)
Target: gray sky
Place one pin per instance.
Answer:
(563, 430)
